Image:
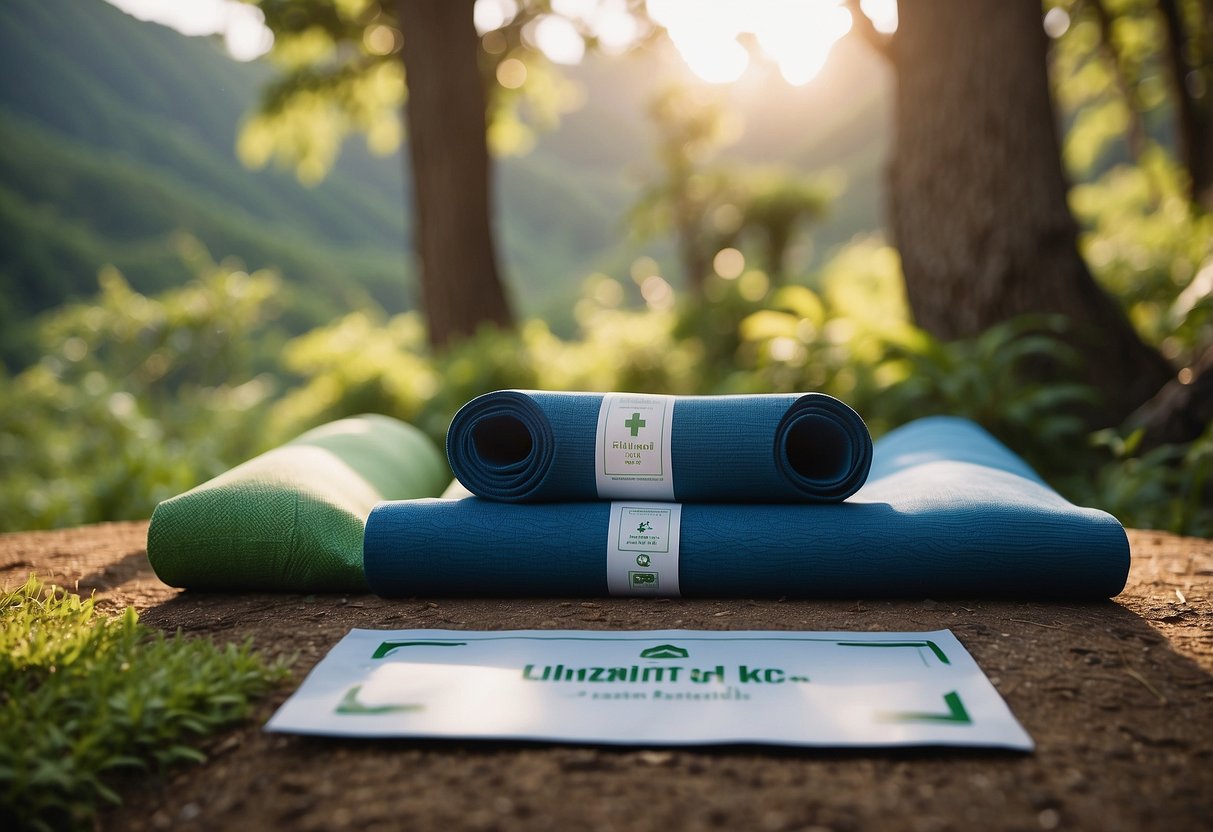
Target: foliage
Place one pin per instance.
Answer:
(1012, 379)
(116, 134)
(1145, 236)
(343, 74)
(84, 698)
(135, 399)
(359, 365)
(854, 340)
(1135, 75)
(1110, 78)
(172, 392)
(1152, 252)
(710, 206)
(1169, 487)
(851, 338)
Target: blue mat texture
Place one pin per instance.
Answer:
(948, 512)
(532, 446)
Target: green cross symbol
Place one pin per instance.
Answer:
(634, 424)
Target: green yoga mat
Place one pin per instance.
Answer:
(291, 519)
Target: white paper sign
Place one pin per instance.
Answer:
(662, 687)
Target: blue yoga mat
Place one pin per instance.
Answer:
(948, 511)
(532, 446)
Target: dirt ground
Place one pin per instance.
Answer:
(1118, 696)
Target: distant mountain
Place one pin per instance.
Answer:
(115, 134)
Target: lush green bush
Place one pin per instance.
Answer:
(1170, 487)
(139, 398)
(135, 399)
(84, 698)
(1153, 251)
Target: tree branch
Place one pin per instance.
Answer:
(1127, 89)
(1188, 118)
(1176, 39)
(1182, 410)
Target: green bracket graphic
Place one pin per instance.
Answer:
(956, 713)
(934, 648)
(388, 646)
(664, 651)
(349, 705)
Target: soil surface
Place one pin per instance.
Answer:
(1118, 696)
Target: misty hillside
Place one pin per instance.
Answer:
(116, 134)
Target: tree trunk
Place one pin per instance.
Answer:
(1136, 136)
(1193, 110)
(445, 120)
(978, 195)
(688, 221)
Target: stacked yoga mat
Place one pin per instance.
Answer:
(531, 446)
(581, 494)
(585, 494)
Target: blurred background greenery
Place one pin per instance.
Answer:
(166, 311)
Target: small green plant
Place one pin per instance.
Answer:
(1169, 487)
(84, 697)
(1011, 379)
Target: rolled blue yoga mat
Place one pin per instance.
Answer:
(948, 511)
(533, 446)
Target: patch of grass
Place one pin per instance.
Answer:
(84, 697)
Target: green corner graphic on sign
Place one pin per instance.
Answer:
(388, 646)
(932, 646)
(664, 651)
(956, 713)
(349, 705)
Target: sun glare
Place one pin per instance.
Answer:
(243, 26)
(883, 14)
(799, 36)
(488, 15)
(796, 35)
(558, 38)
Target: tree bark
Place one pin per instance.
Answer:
(1136, 137)
(445, 120)
(688, 224)
(1182, 410)
(1193, 112)
(978, 194)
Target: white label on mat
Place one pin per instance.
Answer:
(632, 453)
(642, 549)
(655, 687)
